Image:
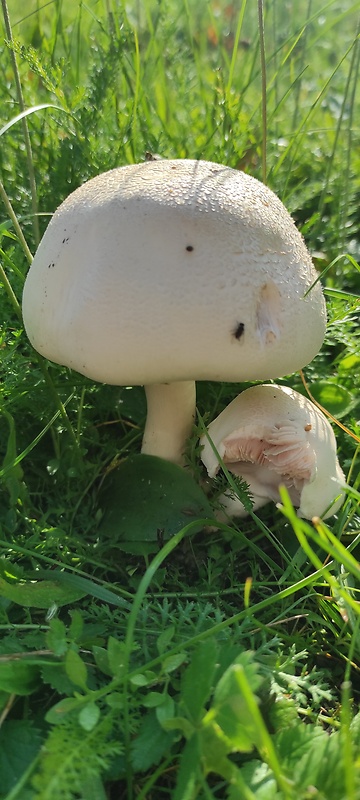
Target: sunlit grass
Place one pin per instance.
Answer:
(190, 669)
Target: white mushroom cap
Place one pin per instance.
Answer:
(174, 271)
(147, 272)
(271, 435)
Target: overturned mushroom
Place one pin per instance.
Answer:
(271, 435)
(168, 272)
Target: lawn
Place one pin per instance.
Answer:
(145, 653)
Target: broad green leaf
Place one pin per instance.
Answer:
(19, 744)
(153, 699)
(251, 668)
(260, 779)
(115, 700)
(173, 662)
(102, 659)
(135, 548)
(76, 669)
(214, 749)
(89, 716)
(231, 710)
(332, 396)
(189, 771)
(311, 756)
(143, 678)
(76, 625)
(39, 594)
(165, 638)
(150, 744)
(55, 676)
(198, 678)
(179, 724)
(355, 727)
(283, 714)
(18, 677)
(56, 639)
(116, 656)
(93, 788)
(147, 500)
(165, 710)
(59, 711)
(349, 364)
(233, 718)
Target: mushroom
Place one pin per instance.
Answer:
(271, 435)
(168, 272)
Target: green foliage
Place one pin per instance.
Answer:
(20, 743)
(17, 677)
(151, 744)
(74, 756)
(334, 397)
(228, 701)
(314, 759)
(147, 499)
(41, 594)
(198, 679)
(228, 665)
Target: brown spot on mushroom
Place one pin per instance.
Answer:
(308, 426)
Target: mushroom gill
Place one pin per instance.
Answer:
(283, 453)
(271, 435)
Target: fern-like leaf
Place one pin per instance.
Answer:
(72, 756)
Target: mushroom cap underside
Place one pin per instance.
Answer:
(271, 435)
(174, 270)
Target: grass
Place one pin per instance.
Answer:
(201, 664)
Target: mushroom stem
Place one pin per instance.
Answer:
(170, 417)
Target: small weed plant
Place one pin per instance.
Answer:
(145, 652)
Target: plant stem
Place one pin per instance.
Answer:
(263, 87)
(129, 637)
(143, 794)
(10, 292)
(26, 134)
(58, 402)
(42, 363)
(235, 49)
(43, 366)
(15, 223)
(170, 417)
